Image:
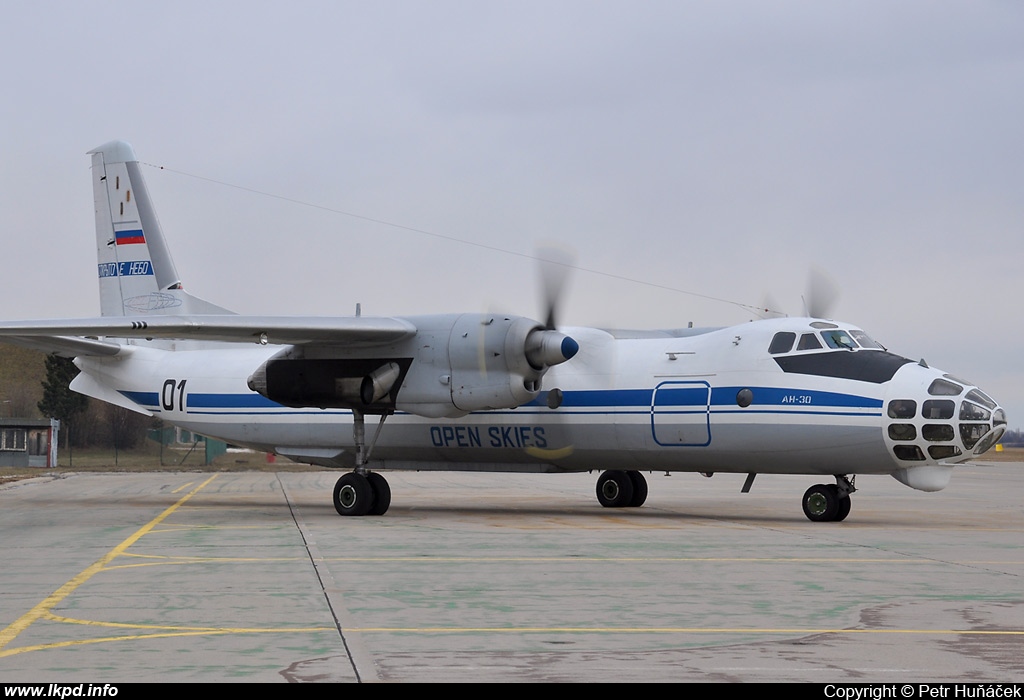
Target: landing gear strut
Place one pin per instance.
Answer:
(362, 492)
(829, 502)
(621, 489)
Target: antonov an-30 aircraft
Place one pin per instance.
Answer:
(490, 392)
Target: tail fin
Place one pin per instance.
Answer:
(137, 274)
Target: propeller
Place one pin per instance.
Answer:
(819, 299)
(822, 294)
(554, 265)
(769, 308)
(549, 347)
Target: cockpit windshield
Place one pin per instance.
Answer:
(834, 338)
(865, 340)
(839, 340)
(830, 351)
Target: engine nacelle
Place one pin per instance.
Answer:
(489, 361)
(451, 366)
(367, 384)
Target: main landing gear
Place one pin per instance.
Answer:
(621, 489)
(362, 492)
(829, 502)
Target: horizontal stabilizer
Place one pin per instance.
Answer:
(64, 346)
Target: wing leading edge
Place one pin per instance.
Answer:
(350, 331)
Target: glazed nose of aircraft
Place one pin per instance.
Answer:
(952, 422)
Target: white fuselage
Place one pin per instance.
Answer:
(712, 401)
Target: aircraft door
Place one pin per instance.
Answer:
(681, 414)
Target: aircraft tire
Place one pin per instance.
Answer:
(353, 495)
(821, 503)
(615, 489)
(381, 494)
(639, 489)
(842, 506)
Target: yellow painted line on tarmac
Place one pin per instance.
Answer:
(183, 487)
(8, 634)
(654, 560)
(192, 558)
(182, 628)
(173, 527)
(667, 630)
(159, 560)
(157, 635)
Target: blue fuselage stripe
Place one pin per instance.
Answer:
(674, 398)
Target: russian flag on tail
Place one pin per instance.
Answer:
(129, 237)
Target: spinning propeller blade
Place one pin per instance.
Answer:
(822, 294)
(554, 267)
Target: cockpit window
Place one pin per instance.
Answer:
(940, 387)
(809, 341)
(839, 340)
(782, 342)
(865, 340)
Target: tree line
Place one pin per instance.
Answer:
(86, 422)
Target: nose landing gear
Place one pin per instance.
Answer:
(829, 502)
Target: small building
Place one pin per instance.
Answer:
(27, 442)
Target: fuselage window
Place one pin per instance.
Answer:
(910, 453)
(944, 451)
(936, 409)
(902, 408)
(982, 398)
(943, 432)
(902, 431)
(940, 387)
(809, 341)
(782, 342)
(970, 411)
(970, 433)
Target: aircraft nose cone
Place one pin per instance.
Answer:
(950, 422)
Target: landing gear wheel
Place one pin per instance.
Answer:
(353, 495)
(843, 506)
(821, 503)
(615, 489)
(639, 489)
(381, 494)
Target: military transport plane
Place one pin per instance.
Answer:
(493, 392)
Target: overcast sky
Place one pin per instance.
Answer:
(716, 148)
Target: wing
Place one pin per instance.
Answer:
(350, 331)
